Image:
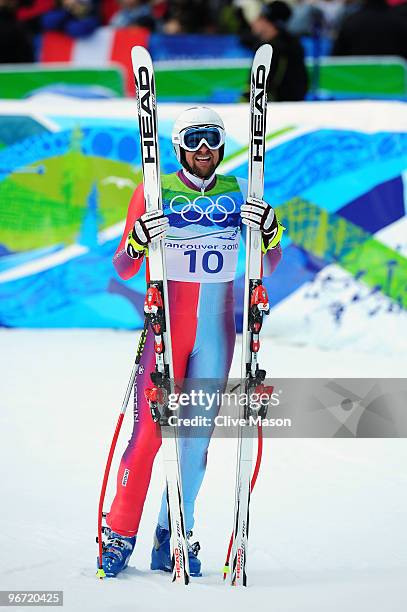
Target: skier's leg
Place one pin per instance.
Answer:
(136, 464)
(194, 441)
(184, 300)
(208, 369)
(133, 475)
(210, 359)
(135, 468)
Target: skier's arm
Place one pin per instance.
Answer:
(260, 215)
(141, 229)
(271, 259)
(126, 266)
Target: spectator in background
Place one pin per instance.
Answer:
(399, 8)
(237, 16)
(190, 16)
(324, 16)
(77, 18)
(107, 9)
(31, 11)
(134, 13)
(288, 79)
(302, 20)
(160, 8)
(15, 40)
(372, 30)
(348, 8)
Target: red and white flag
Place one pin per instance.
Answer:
(106, 45)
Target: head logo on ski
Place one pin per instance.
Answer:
(146, 104)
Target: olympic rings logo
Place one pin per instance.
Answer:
(193, 212)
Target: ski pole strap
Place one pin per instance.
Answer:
(267, 244)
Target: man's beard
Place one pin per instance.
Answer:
(204, 174)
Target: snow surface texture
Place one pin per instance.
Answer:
(335, 311)
(328, 516)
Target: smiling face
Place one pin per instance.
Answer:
(203, 162)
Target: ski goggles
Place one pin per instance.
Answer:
(193, 138)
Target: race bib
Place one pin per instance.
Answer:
(207, 260)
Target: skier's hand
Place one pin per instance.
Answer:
(257, 214)
(150, 227)
(261, 216)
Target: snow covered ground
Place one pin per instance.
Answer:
(329, 516)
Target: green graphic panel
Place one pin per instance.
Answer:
(18, 83)
(212, 81)
(47, 208)
(200, 81)
(333, 239)
(387, 78)
(383, 267)
(371, 79)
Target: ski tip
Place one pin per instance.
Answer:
(138, 52)
(225, 570)
(265, 53)
(101, 573)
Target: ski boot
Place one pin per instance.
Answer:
(161, 556)
(117, 550)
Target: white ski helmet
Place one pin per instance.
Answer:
(196, 116)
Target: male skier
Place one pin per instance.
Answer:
(200, 224)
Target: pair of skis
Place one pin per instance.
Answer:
(157, 315)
